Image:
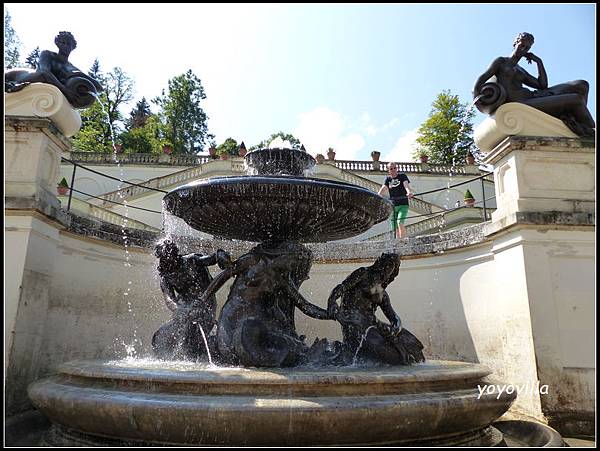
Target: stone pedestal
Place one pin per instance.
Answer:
(37, 121)
(32, 158)
(534, 174)
(543, 235)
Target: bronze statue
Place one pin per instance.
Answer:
(504, 81)
(366, 337)
(257, 326)
(183, 280)
(55, 69)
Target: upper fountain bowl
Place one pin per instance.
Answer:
(277, 203)
(277, 208)
(279, 161)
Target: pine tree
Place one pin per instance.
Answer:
(11, 43)
(139, 115)
(33, 58)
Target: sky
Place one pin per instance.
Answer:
(355, 77)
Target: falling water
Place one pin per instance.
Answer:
(434, 282)
(362, 339)
(206, 344)
(130, 349)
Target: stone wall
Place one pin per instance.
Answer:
(466, 296)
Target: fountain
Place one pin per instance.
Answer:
(270, 387)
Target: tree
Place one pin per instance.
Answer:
(32, 58)
(146, 138)
(95, 134)
(11, 43)
(185, 122)
(447, 135)
(96, 73)
(229, 146)
(295, 142)
(139, 115)
(118, 89)
(101, 122)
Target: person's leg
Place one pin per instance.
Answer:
(394, 222)
(402, 214)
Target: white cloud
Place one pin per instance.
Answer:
(366, 124)
(322, 128)
(403, 149)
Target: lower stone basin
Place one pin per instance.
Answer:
(277, 208)
(153, 402)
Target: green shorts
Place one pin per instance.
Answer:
(399, 215)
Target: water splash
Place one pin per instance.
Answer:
(279, 143)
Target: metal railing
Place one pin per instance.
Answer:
(106, 215)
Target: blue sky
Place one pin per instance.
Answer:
(358, 77)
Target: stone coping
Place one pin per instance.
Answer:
(158, 371)
(332, 251)
(533, 143)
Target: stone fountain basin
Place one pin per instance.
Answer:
(277, 208)
(156, 402)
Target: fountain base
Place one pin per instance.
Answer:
(436, 403)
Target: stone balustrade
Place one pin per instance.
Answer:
(194, 160)
(139, 158)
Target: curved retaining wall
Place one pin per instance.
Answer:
(465, 293)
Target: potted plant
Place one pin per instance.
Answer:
(375, 155)
(330, 154)
(212, 151)
(469, 199)
(470, 158)
(62, 187)
(320, 158)
(118, 148)
(167, 148)
(423, 157)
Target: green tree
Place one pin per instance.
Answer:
(447, 135)
(94, 134)
(185, 121)
(32, 58)
(295, 142)
(229, 146)
(118, 90)
(139, 115)
(96, 73)
(11, 43)
(101, 122)
(146, 138)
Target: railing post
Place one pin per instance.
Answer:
(485, 218)
(71, 187)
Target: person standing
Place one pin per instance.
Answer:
(398, 187)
